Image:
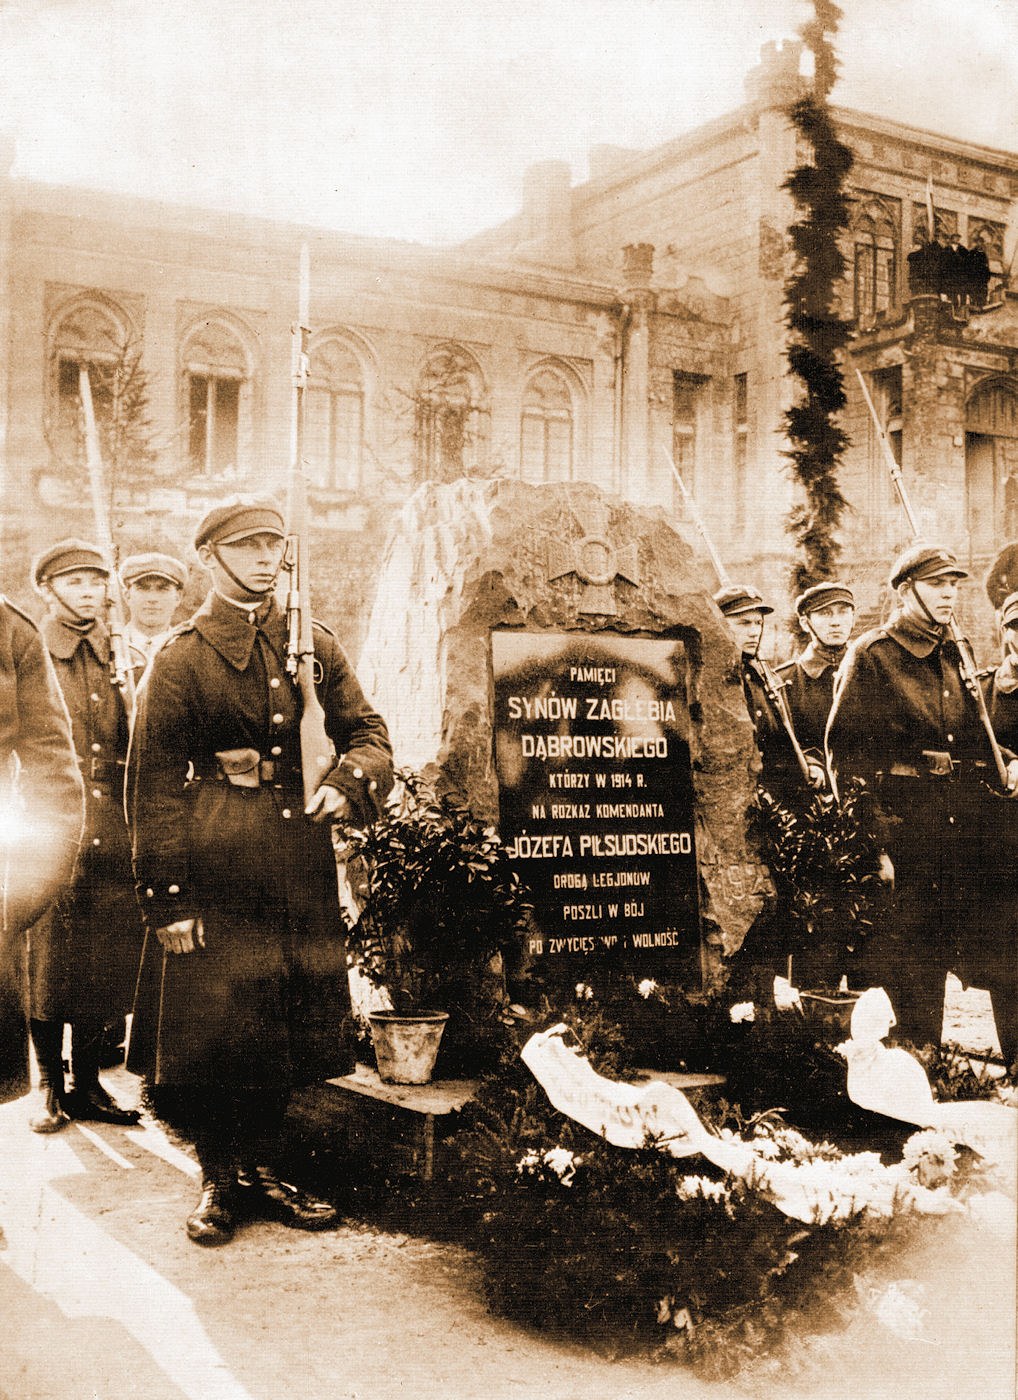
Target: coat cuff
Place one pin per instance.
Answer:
(165, 902)
(365, 781)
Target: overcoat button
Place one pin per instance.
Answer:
(95, 840)
(358, 772)
(274, 682)
(173, 889)
(96, 792)
(275, 751)
(287, 814)
(277, 718)
(97, 748)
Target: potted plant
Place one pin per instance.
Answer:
(439, 904)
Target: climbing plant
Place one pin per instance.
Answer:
(817, 333)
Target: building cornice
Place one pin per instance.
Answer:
(280, 238)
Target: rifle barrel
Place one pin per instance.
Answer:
(120, 662)
(765, 673)
(701, 528)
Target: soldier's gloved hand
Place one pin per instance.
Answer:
(1011, 786)
(183, 936)
(817, 776)
(886, 870)
(328, 804)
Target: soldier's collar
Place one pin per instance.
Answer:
(63, 639)
(916, 637)
(224, 625)
(817, 659)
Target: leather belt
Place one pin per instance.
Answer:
(102, 770)
(952, 768)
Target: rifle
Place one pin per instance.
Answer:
(770, 683)
(121, 671)
(316, 750)
(966, 661)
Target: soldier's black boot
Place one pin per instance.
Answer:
(87, 1098)
(47, 1115)
(261, 1194)
(213, 1221)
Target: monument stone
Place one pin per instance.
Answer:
(556, 653)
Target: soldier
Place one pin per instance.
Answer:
(781, 774)
(42, 800)
(83, 954)
(826, 614)
(993, 964)
(1002, 696)
(243, 990)
(153, 587)
(904, 722)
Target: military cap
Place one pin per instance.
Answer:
(153, 565)
(64, 557)
(238, 518)
(925, 561)
(822, 595)
(1009, 610)
(740, 598)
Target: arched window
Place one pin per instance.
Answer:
(92, 333)
(876, 239)
(451, 417)
(546, 428)
(334, 421)
(216, 375)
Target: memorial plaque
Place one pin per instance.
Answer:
(596, 796)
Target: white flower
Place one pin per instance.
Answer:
(682, 1320)
(930, 1157)
(563, 1163)
(692, 1186)
(765, 1147)
(647, 987)
(742, 1011)
(528, 1163)
(584, 991)
(664, 1309)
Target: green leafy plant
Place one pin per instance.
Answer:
(824, 862)
(633, 1248)
(817, 334)
(440, 901)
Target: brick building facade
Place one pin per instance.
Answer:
(607, 322)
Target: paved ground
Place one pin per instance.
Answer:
(102, 1297)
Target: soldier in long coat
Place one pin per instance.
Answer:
(826, 613)
(904, 722)
(243, 991)
(42, 801)
(994, 965)
(84, 952)
(781, 773)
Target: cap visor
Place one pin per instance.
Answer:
(249, 534)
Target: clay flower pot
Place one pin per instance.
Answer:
(406, 1046)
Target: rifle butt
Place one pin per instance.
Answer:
(317, 754)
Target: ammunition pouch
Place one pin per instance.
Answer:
(938, 764)
(244, 768)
